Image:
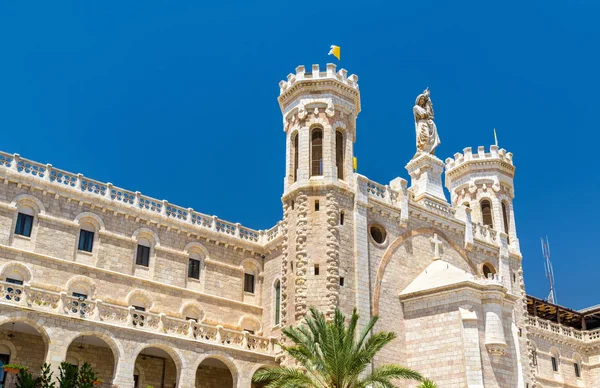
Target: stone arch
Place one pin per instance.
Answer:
(245, 264)
(148, 233)
(226, 359)
(196, 246)
(250, 322)
(11, 347)
(19, 268)
(83, 282)
(28, 200)
(140, 295)
(253, 371)
(173, 352)
(15, 317)
(106, 336)
(194, 307)
(490, 266)
(92, 218)
(387, 256)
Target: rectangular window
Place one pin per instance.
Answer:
(554, 364)
(24, 225)
(86, 240)
(143, 256)
(341, 282)
(316, 269)
(194, 269)
(138, 308)
(317, 205)
(249, 283)
(577, 371)
(14, 281)
(80, 296)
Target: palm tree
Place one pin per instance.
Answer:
(428, 384)
(330, 356)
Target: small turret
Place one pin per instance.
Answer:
(319, 117)
(483, 181)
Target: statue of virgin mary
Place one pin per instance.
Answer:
(427, 135)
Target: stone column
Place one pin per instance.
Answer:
(472, 350)
(57, 349)
(362, 290)
(503, 261)
(124, 373)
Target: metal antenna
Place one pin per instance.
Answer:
(549, 270)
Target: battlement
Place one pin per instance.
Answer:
(467, 156)
(316, 74)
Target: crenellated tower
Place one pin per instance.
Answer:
(319, 119)
(483, 182)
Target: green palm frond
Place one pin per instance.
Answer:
(428, 384)
(332, 354)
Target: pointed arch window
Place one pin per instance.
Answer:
(295, 166)
(486, 213)
(339, 153)
(316, 152)
(277, 302)
(505, 217)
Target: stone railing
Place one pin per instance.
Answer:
(382, 193)
(558, 329)
(484, 233)
(95, 310)
(46, 173)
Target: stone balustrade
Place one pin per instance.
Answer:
(96, 310)
(382, 193)
(558, 329)
(484, 233)
(79, 184)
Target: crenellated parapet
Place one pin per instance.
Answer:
(318, 75)
(494, 155)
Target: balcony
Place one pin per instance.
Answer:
(59, 303)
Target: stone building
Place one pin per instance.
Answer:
(151, 293)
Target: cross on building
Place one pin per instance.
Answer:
(436, 246)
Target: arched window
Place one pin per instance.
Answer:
(143, 252)
(24, 223)
(505, 217)
(339, 154)
(316, 152)
(277, 302)
(295, 166)
(486, 213)
(488, 271)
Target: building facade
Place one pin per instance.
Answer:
(151, 293)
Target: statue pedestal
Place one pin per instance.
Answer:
(425, 172)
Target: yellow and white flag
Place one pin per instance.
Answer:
(335, 51)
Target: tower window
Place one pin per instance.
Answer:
(249, 283)
(577, 370)
(488, 271)
(277, 302)
(295, 166)
(194, 269)
(341, 282)
(316, 152)
(316, 205)
(24, 225)
(486, 213)
(143, 256)
(505, 217)
(339, 154)
(342, 218)
(86, 240)
(316, 269)
(14, 281)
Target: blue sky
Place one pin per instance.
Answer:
(178, 100)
